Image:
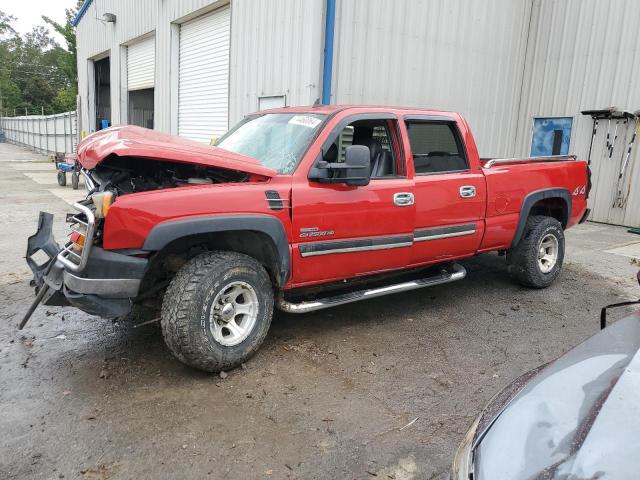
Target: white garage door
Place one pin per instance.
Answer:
(141, 64)
(203, 88)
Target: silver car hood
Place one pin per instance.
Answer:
(578, 418)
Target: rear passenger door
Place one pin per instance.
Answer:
(449, 196)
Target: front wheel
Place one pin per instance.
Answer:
(536, 260)
(217, 310)
(62, 178)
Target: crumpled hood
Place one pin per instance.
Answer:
(144, 143)
(578, 418)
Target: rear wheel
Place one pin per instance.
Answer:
(537, 259)
(75, 180)
(62, 178)
(217, 310)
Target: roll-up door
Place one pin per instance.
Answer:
(141, 64)
(203, 85)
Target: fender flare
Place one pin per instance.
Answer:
(532, 198)
(166, 232)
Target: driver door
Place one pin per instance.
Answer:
(343, 231)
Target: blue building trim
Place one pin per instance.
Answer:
(327, 67)
(85, 6)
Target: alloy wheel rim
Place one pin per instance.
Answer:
(233, 313)
(547, 253)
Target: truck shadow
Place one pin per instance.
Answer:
(485, 274)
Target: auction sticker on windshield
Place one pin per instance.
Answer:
(305, 121)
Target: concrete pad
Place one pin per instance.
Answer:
(34, 166)
(68, 194)
(12, 153)
(43, 178)
(632, 250)
(37, 168)
(50, 179)
(595, 246)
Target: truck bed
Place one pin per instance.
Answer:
(511, 180)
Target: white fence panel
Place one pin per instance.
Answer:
(43, 133)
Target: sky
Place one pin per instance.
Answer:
(29, 13)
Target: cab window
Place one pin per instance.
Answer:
(378, 136)
(436, 147)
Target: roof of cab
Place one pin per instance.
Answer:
(331, 109)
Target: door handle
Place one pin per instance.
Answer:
(467, 191)
(403, 199)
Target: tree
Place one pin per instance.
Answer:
(5, 24)
(36, 73)
(11, 96)
(68, 62)
(65, 99)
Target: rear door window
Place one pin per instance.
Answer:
(436, 147)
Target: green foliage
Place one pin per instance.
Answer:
(11, 94)
(69, 62)
(65, 99)
(5, 24)
(36, 73)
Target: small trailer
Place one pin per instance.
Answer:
(68, 164)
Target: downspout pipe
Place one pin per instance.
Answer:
(327, 67)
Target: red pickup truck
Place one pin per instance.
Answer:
(297, 208)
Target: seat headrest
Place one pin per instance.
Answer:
(375, 148)
(332, 153)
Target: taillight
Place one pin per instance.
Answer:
(77, 239)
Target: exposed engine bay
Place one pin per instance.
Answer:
(124, 175)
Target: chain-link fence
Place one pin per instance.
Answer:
(43, 133)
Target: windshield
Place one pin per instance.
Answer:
(276, 140)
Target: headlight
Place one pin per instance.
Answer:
(462, 468)
(102, 201)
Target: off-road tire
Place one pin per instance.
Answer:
(75, 180)
(62, 178)
(187, 303)
(522, 260)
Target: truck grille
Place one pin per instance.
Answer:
(84, 223)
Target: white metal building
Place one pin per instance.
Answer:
(195, 67)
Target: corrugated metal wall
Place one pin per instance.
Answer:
(585, 54)
(498, 62)
(133, 19)
(444, 54)
(276, 49)
(44, 133)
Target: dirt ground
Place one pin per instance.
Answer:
(383, 389)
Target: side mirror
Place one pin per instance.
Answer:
(357, 158)
(355, 171)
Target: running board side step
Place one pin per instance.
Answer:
(455, 272)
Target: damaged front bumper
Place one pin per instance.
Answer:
(96, 281)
